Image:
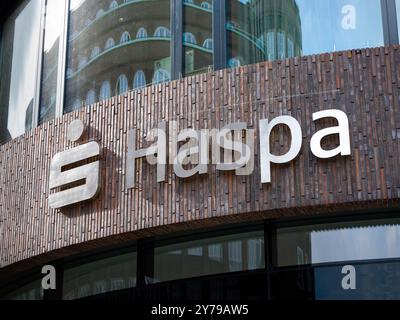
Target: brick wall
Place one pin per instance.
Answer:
(365, 84)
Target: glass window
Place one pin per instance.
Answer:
(91, 97)
(122, 84)
(95, 52)
(19, 60)
(208, 44)
(113, 5)
(132, 35)
(238, 252)
(259, 30)
(54, 28)
(141, 34)
(31, 291)
(111, 274)
(197, 36)
(99, 13)
(206, 5)
(162, 32)
(140, 80)
(373, 281)
(398, 16)
(125, 37)
(105, 91)
(281, 45)
(350, 241)
(161, 75)
(188, 37)
(109, 43)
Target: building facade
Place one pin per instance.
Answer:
(313, 87)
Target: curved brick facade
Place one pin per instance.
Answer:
(364, 83)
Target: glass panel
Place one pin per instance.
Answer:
(197, 35)
(372, 281)
(259, 30)
(31, 291)
(101, 276)
(116, 46)
(398, 15)
(338, 242)
(20, 50)
(231, 253)
(53, 31)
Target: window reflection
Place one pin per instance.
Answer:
(261, 30)
(54, 27)
(398, 16)
(135, 41)
(140, 80)
(105, 91)
(101, 276)
(20, 49)
(31, 291)
(122, 84)
(338, 242)
(197, 36)
(237, 252)
(141, 34)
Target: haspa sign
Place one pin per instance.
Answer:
(190, 152)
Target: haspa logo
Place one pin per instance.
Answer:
(73, 176)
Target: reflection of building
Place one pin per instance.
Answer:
(260, 30)
(48, 92)
(197, 36)
(116, 46)
(28, 116)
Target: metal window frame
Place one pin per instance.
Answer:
(39, 64)
(219, 34)
(176, 19)
(62, 62)
(389, 20)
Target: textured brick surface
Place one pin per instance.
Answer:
(365, 84)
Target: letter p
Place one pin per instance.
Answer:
(266, 158)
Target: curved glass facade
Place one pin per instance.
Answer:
(89, 51)
(294, 262)
(278, 29)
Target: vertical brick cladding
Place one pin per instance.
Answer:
(363, 83)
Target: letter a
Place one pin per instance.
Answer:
(342, 130)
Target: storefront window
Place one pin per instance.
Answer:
(197, 37)
(238, 252)
(111, 42)
(353, 241)
(19, 60)
(372, 281)
(398, 16)
(31, 291)
(101, 276)
(54, 27)
(261, 30)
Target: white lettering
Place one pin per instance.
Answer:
(266, 158)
